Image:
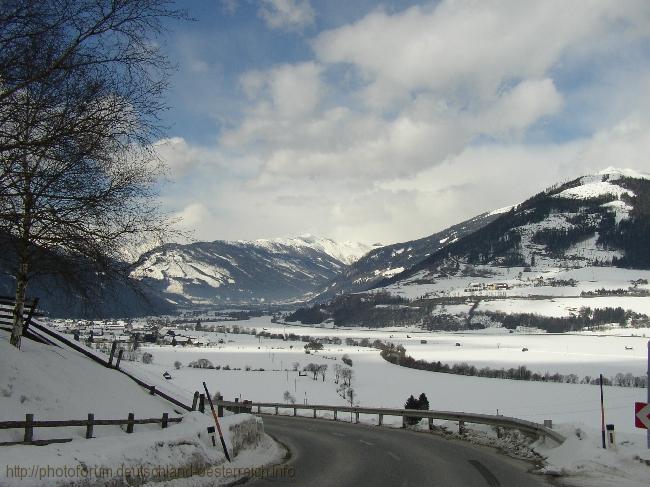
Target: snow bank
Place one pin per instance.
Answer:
(182, 451)
(59, 383)
(582, 461)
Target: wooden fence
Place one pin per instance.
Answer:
(30, 424)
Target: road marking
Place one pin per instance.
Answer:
(366, 443)
(487, 475)
(393, 455)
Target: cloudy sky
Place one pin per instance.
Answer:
(387, 121)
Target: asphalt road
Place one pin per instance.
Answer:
(329, 453)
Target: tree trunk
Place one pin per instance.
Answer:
(19, 320)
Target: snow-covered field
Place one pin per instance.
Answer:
(573, 408)
(378, 383)
(60, 384)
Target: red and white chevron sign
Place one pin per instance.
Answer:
(642, 415)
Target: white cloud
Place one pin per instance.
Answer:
(177, 155)
(382, 136)
(286, 14)
(469, 49)
(194, 216)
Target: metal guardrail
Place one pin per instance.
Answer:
(462, 418)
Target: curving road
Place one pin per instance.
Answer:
(328, 453)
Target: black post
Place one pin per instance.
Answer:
(119, 358)
(219, 406)
(195, 400)
(29, 428)
(129, 425)
(237, 409)
(89, 426)
(165, 419)
(202, 403)
(30, 314)
(110, 358)
(152, 390)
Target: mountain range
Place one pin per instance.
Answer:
(597, 220)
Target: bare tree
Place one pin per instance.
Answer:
(321, 370)
(346, 375)
(337, 373)
(288, 397)
(80, 89)
(313, 368)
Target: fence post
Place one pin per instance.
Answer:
(202, 403)
(152, 390)
(335, 413)
(29, 428)
(356, 419)
(403, 421)
(461, 427)
(90, 425)
(381, 419)
(129, 424)
(237, 409)
(259, 409)
(164, 420)
(276, 410)
(110, 358)
(295, 412)
(219, 406)
(119, 358)
(314, 413)
(195, 400)
(430, 424)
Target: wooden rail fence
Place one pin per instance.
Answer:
(29, 424)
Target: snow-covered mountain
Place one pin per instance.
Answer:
(385, 262)
(597, 220)
(245, 272)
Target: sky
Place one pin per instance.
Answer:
(388, 121)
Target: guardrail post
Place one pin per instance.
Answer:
(110, 358)
(314, 413)
(295, 412)
(381, 419)
(165, 419)
(202, 403)
(276, 410)
(119, 358)
(335, 413)
(356, 417)
(461, 427)
(220, 407)
(29, 428)
(430, 424)
(130, 423)
(90, 425)
(195, 400)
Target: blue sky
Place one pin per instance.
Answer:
(387, 121)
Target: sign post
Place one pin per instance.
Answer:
(602, 412)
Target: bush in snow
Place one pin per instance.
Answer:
(202, 363)
(147, 358)
(177, 365)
